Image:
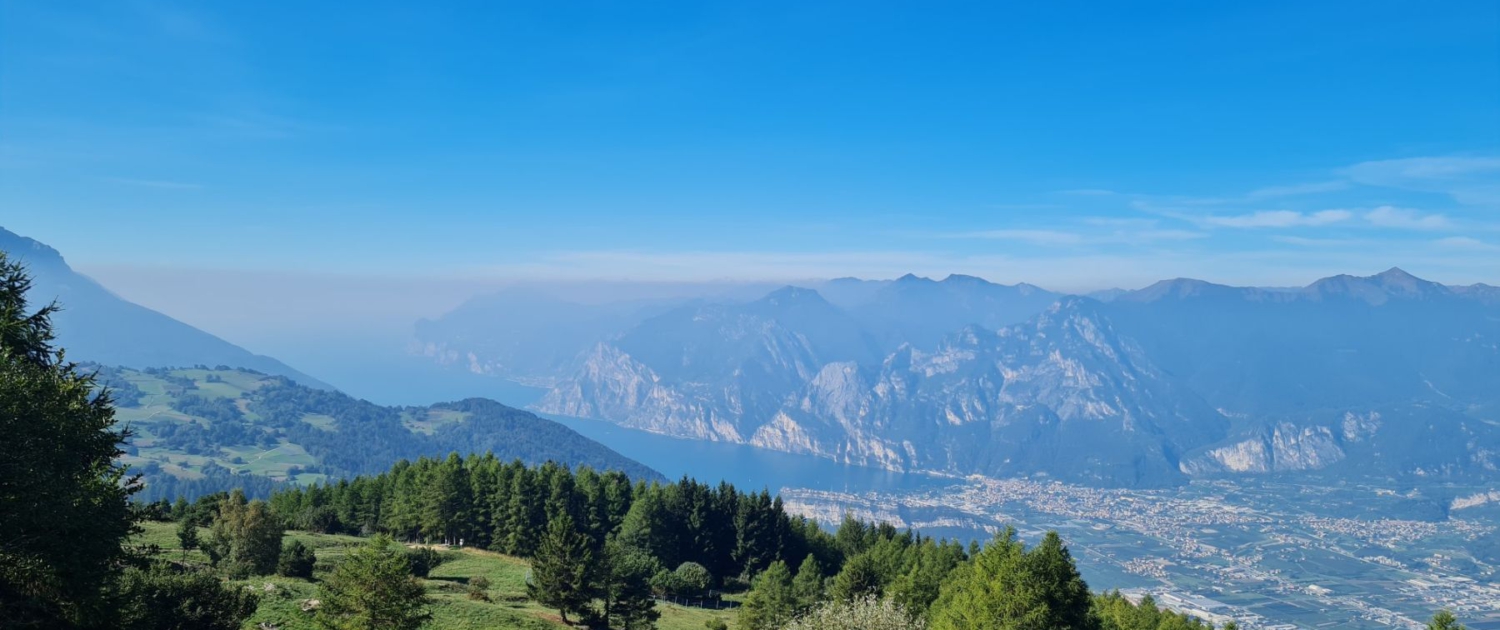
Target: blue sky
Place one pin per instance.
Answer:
(1067, 144)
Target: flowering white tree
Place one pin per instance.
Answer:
(865, 613)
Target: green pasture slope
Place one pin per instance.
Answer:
(282, 599)
(202, 430)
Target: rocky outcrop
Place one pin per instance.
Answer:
(1287, 448)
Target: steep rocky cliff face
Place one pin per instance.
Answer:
(997, 402)
(1387, 375)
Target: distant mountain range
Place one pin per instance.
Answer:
(1386, 376)
(99, 326)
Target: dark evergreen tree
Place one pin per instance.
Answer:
(373, 589)
(562, 572)
(447, 503)
(1444, 620)
(64, 509)
(1005, 587)
(859, 578)
(771, 602)
(627, 593)
(807, 587)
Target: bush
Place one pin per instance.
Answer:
(716, 624)
(245, 539)
(296, 561)
(162, 597)
(423, 560)
(692, 579)
(689, 580)
(478, 588)
(864, 613)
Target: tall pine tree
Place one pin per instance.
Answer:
(628, 603)
(562, 573)
(64, 509)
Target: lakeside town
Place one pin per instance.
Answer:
(1218, 550)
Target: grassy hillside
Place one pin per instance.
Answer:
(282, 598)
(202, 430)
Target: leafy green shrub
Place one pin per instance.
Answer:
(164, 597)
(689, 580)
(424, 559)
(478, 594)
(296, 561)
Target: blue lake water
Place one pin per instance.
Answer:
(746, 467)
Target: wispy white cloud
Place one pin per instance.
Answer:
(1026, 206)
(1140, 233)
(1036, 237)
(1465, 243)
(1277, 219)
(1473, 180)
(1298, 189)
(153, 183)
(1303, 241)
(1406, 219)
(1067, 270)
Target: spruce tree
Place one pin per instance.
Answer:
(64, 508)
(373, 589)
(771, 602)
(859, 578)
(1444, 620)
(1006, 587)
(447, 505)
(807, 587)
(524, 515)
(562, 570)
(628, 601)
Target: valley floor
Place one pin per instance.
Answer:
(1268, 555)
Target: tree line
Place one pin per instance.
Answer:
(507, 507)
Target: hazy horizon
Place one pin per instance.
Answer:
(1074, 149)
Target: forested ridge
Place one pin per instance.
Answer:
(209, 429)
